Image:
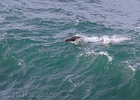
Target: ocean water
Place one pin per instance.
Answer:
(36, 63)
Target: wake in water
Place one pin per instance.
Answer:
(104, 40)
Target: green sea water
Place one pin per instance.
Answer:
(36, 63)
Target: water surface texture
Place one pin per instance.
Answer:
(36, 63)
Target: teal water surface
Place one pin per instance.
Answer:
(36, 63)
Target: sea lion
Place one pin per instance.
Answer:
(73, 38)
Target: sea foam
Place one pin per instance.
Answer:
(106, 39)
(101, 53)
(2, 19)
(102, 39)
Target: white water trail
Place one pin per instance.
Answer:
(102, 39)
(106, 39)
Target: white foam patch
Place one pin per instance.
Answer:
(3, 36)
(100, 53)
(92, 52)
(103, 39)
(2, 19)
(70, 79)
(113, 39)
(77, 22)
(92, 39)
(21, 63)
(131, 67)
(106, 54)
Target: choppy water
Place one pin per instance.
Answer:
(36, 63)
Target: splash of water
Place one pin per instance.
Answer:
(103, 39)
(113, 39)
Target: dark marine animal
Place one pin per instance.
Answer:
(73, 38)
